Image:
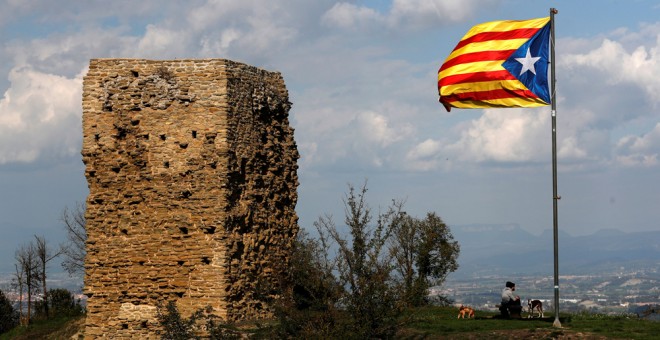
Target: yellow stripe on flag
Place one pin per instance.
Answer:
(479, 66)
(491, 45)
(506, 102)
(513, 85)
(506, 25)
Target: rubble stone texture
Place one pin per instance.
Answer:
(191, 167)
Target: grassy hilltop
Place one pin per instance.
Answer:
(437, 323)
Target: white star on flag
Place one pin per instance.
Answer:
(528, 63)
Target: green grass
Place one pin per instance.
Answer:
(437, 323)
(620, 326)
(441, 322)
(56, 328)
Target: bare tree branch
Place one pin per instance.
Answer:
(28, 264)
(43, 257)
(74, 249)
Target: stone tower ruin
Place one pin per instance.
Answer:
(191, 167)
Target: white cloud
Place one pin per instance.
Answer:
(404, 14)
(432, 13)
(160, 41)
(512, 135)
(640, 150)
(611, 87)
(425, 156)
(251, 27)
(361, 138)
(40, 117)
(346, 15)
(638, 67)
(376, 128)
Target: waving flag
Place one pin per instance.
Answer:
(498, 64)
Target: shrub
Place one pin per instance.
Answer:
(8, 316)
(61, 302)
(176, 327)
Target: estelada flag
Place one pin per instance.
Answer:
(498, 64)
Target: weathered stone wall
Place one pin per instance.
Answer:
(191, 168)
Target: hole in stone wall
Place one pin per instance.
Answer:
(135, 73)
(238, 253)
(143, 324)
(194, 134)
(183, 145)
(146, 136)
(97, 137)
(124, 231)
(141, 263)
(214, 165)
(124, 326)
(115, 169)
(166, 164)
(186, 194)
(209, 230)
(135, 122)
(162, 137)
(179, 294)
(206, 260)
(121, 132)
(243, 165)
(180, 263)
(183, 230)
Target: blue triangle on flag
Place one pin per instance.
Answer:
(538, 46)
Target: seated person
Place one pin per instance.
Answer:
(510, 305)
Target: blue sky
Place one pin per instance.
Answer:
(362, 79)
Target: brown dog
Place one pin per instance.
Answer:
(534, 306)
(463, 310)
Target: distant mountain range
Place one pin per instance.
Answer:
(508, 249)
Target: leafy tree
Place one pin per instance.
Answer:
(353, 283)
(74, 249)
(310, 311)
(314, 286)
(424, 252)
(61, 303)
(363, 267)
(8, 316)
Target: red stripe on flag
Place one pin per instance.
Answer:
(488, 95)
(477, 56)
(505, 35)
(476, 77)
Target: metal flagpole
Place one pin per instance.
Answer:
(555, 197)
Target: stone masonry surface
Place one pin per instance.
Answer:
(192, 174)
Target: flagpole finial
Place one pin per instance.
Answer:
(554, 10)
